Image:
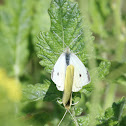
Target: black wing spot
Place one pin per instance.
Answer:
(58, 74)
(88, 76)
(80, 75)
(52, 72)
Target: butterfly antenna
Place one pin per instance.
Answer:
(62, 118)
(73, 118)
(75, 39)
(60, 38)
(64, 42)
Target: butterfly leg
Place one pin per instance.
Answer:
(75, 103)
(76, 53)
(60, 102)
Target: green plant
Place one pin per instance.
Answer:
(100, 102)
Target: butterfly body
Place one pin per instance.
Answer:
(67, 95)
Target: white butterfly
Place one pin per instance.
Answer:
(69, 81)
(70, 75)
(81, 75)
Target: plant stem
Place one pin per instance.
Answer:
(116, 6)
(109, 95)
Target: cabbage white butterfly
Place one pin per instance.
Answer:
(81, 75)
(70, 75)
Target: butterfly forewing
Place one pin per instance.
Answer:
(81, 75)
(58, 72)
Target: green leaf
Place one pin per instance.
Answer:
(83, 120)
(15, 21)
(114, 114)
(45, 92)
(103, 69)
(87, 89)
(118, 108)
(116, 73)
(53, 94)
(122, 80)
(35, 92)
(123, 121)
(66, 29)
(78, 110)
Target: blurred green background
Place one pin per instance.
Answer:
(24, 83)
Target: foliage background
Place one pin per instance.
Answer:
(27, 94)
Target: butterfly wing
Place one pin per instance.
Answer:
(81, 75)
(58, 72)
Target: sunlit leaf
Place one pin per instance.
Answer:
(45, 92)
(66, 29)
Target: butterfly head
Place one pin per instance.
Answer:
(67, 50)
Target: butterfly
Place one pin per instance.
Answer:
(70, 75)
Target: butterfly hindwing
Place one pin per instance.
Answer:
(58, 72)
(81, 75)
